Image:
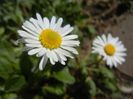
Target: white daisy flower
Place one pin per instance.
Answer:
(112, 50)
(49, 39)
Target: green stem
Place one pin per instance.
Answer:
(97, 62)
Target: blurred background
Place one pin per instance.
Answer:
(84, 77)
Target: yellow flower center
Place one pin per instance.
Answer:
(50, 39)
(109, 49)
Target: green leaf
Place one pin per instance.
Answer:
(92, 87)
(3, 75)
(110, 85)
(8, 61)
(1, 90)
(2, 30)
(9, 96)
(58, 89)
(64, 76)
(38, 97)
(106, 72)
(25, 65)
(15, 83)
(91, 29)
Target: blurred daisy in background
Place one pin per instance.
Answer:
(112, 49)
(49, 39)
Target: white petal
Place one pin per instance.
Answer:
(115, 41)
(52, 24)
(34, 33)
(26, 35)
(109, 63)
(99, 41)
(70, 37)
(46, 22)
(27, 48)
(64, 29)
(32, 41)
(54, 56)
(42, 52)
(121, 59)
(50, 56)
(114, 62)
(121, 54)
(43, 62)
(52, 61)
(40, 21)
(62, 57)
(64, 52)
(70, 43)
(28, 26)
(119, 43)
(121, 49)
(117, 60)
(67, 31)
(109, 38)
(71, 49)
(33, 45)
(98, 46)
(104, 38)
(63, 63)
(34, 51)
(34, 21)
(58, 24)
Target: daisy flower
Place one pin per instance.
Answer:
(49, 40)
(112, 49)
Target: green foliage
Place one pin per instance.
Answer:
(91, 86)
(14, 84)
(2, 30)
(84, 77)
(57, 89)
(64, 76)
